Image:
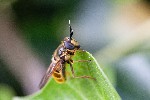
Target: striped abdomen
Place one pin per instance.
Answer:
(59, 76)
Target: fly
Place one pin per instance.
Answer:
(62, 55)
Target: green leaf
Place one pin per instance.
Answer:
(78, 88)
(6, 92)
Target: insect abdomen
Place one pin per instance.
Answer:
(58, 77)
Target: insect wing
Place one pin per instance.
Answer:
(49, 72)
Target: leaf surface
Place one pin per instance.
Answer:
(78, 88)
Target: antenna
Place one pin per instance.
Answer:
(71, 31)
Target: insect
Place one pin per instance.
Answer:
(62, 55)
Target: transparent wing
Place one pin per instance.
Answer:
(49, 73)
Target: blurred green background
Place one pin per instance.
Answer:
(116, 32)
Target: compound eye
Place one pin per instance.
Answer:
(69, 46)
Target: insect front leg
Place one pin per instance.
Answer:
(72, 70)
(81, 61)
(80, 50)
(75, 61)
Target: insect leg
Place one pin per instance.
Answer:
(72, 70)
(72, 61)
(82, 61)
(80, 50)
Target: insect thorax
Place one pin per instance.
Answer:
(64, 53)
(66, 49)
